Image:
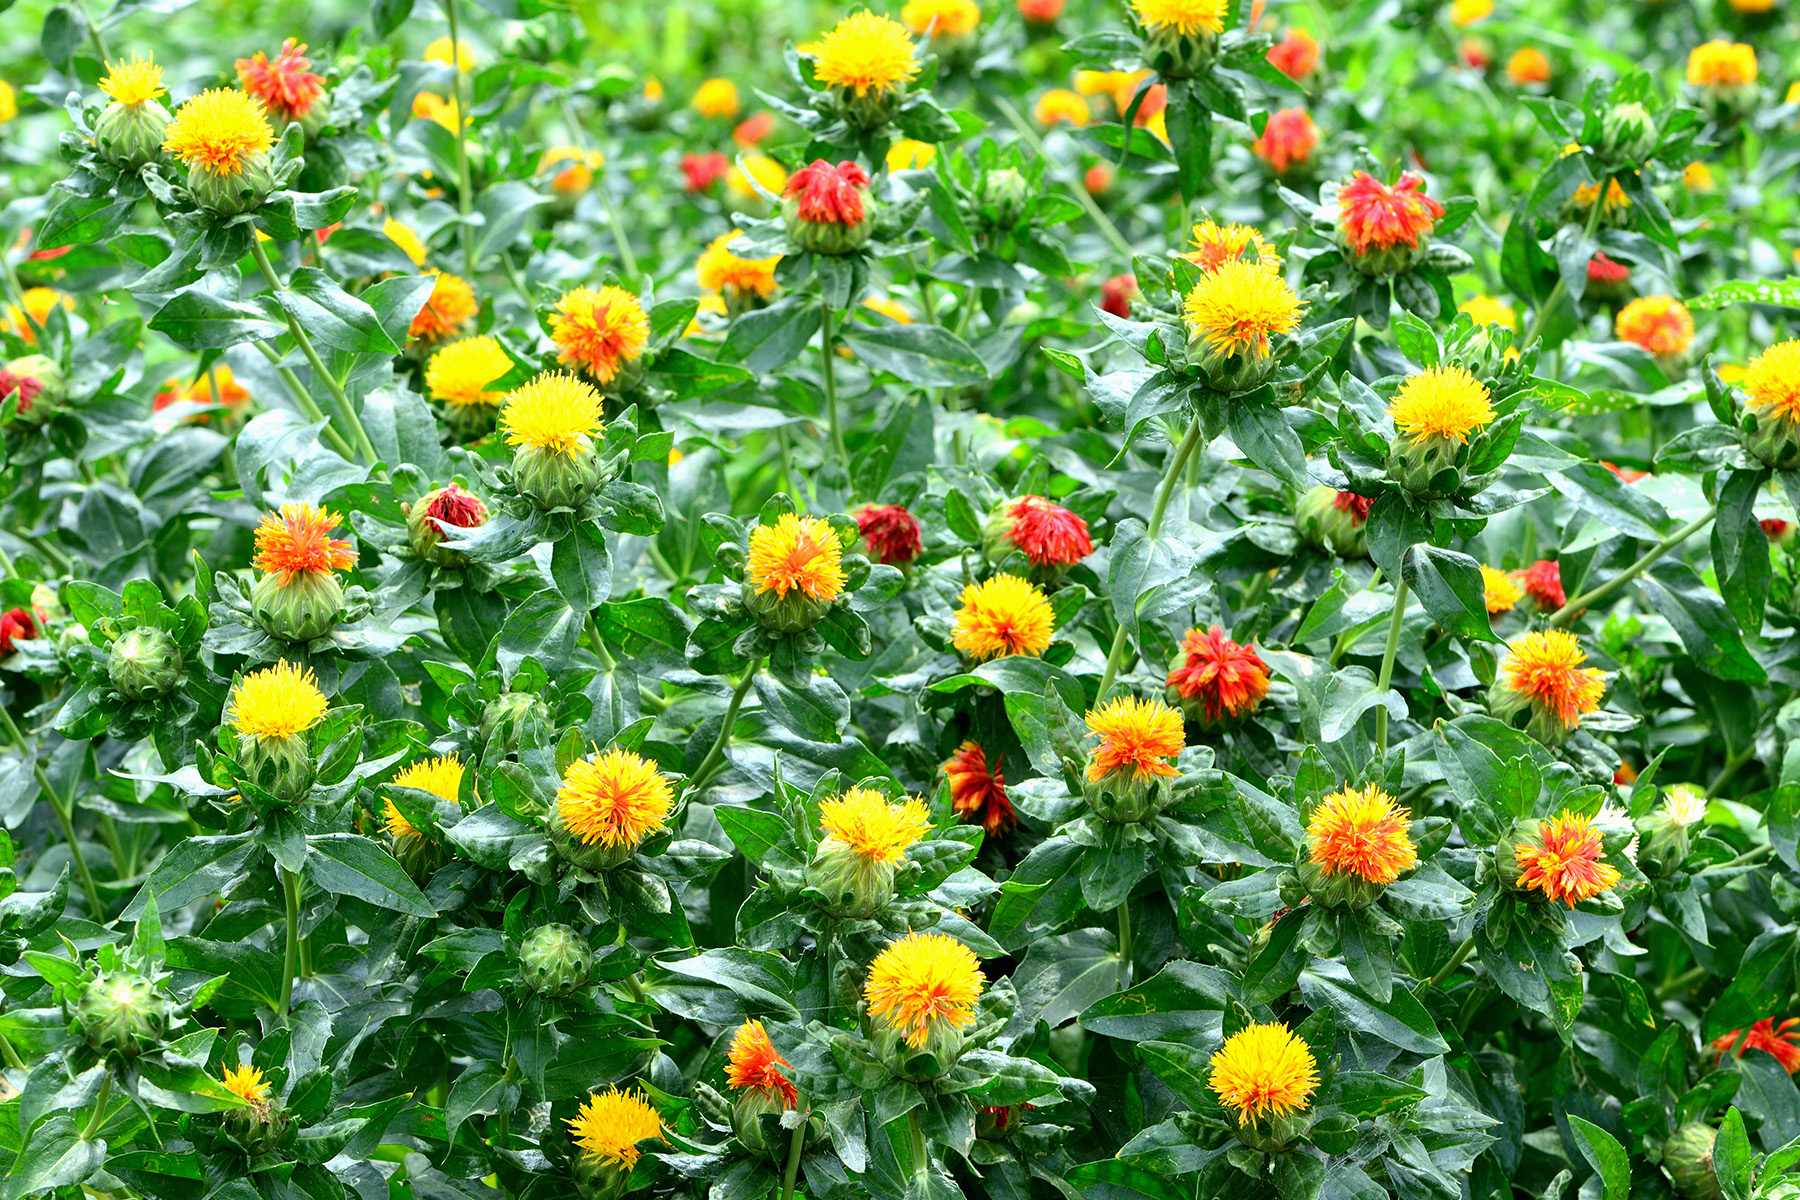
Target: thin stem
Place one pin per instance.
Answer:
(1387, 663)
(921, 1156)
(336, 389)
(1456, 960)
(796, 1144)
(1753, 855)
(1732, 763)
(1125, 938)
(1171, 474)
(1562, 283)
(828, 373)
(1569, 611)
(11, 1054)
(1681, 982)
(309, 408)
(716, 755)
(65, 815)
(100, 1103)
(290, 887)
(627, 257)
(1080, 193)
(94, 34)
(464, 188)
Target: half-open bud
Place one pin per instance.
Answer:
(299, 597)
(430, 515)
(40, 385)
(827, 208)
(129, 131)
(1327, 518)
(273, 712)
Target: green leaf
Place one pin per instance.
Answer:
(925, 355)
(1783, 292)
(1605, 1155)
(1449, 585)
(199, 320)
(333, 317)
(1701, 620)
(1402, 1021)
(768, 338)
(352, 865)
(1759, 985)
(818, 712)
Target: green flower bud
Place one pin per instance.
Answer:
(869, 109)
(1126, 797)
(281, 766)
(233, 195)
(71, 636)
(1177, 55)
(854, 885)
(307, 606)
(1426, 466)
(1274, 1133)
(123, 1013)
(1002, 197)
(130, 135)
(1688, 1159)
(1627, 132)
(552, 478)
(599, 1178)
(505, 717)
(944, 1044)
(40, 385)
(1327, 518)
(1771, 437)
(1664, 837)
(747, 1112)
(554, 960)
(144, 662)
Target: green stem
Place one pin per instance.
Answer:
(94, 34)
(465, 198)
(628, 262)
(1681, 982)
(792, 1171)
(1125, 938)
(1387, 663)
(309, 408)
(65, 815)
(921, 1156)
(290, 887)
(635, 981)
(1456, 960)
(1753, 855)
(336, 389)
(11, 1054)
(828, 374)
(1562, 284)
(1572, 609)
(1075, 189)
(1171, 474)
(716, 754)
(100, 1103)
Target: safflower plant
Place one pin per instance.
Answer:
(900, 602)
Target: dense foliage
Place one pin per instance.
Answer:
(1141, 601)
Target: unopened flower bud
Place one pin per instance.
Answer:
(123, 1013)
(130, 135)
(507, 715)
(1003, 195)
(40, 385)
(1688, 1159)
(554, 960)
(1627, 132)
(1328, 518)
(304, 608)
(446, 506)
(144, 662)
(1665, 834)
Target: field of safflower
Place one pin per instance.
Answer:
(1009, 599)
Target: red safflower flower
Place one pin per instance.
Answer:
(1098, 179)
(16, 625)
(1156, 98)
(1779, 1040)
(891, 532)
(28, 387)
(1296, 55)
(1543, 583)
(1628, 474)
(829, 195)
(286, 87)
(47, 255)
(1777, 530)
(1357, 506)
(454, 506)
(1049, 534)
(1040, 12)
(755, 1065)
(704, 170)
(1626, 774)
(1376, 216)
(752, 130)
(1116, 295)
(978, 794)
(1475, 54)
(1225, 677)
(1287, 141)
(1601, 269)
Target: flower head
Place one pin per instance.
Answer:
(753, 129)
(1543, 583)
(767, 174)
(1117, 293)
(450, 306)
(1238, 307)
(797, 554)
(716, 99)
(866, 53)
(1565, 861)
(1528, 65)
(1040, 12)
(1464, 13)
(286, 86)
(38, 303)
(755, 1065)
(1049, 534)
(1296, 55)
(704, 170)
(1221, 675)
(462, 373)
(720, 270)
(555, 411)
(1263, 1070)
(462, 55)
(1500, 590)
(1136, 735)
(402, 235)
(613, 799)
(219, 131)
(1489, 310)
(829, 194)
(1659, 324)
(1698, 177)
(442, 777)
(572, 168)
(1357, 506)
(1545, 668)
(1601, 269)
(132, 81)
(1444, 401)
(432, 107)
(1287, 140)
(298, 541)
(1364, 833)
(1002, 616)
(16, 625)
(1060, 105)
(941, 18)
(276, 702)
(1186, 17)
(888, 307)
(891, 532)
(245, 1082)
(1720, 63)
(874, 828)
(921, 979)
(1684, 805)
(599, 330)
(1772, 380)
(610, 1124)
(977, 793)
(1215, 245)
(1783, 1041)
(1375, 216)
